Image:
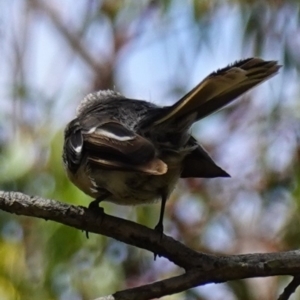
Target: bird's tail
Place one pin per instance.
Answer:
(218, 89)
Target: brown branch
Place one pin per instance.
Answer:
(200, 268)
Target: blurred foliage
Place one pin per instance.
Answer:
(55, 52)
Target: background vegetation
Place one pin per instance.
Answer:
(55, 52)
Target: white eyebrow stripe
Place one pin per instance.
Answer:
(111, 135)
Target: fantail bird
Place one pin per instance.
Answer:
(131, 152)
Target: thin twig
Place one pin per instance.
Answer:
(290, 288)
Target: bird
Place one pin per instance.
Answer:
(131, 152)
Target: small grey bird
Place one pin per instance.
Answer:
(132, 152)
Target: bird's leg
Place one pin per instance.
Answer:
(96, 209)
(160, 226)
(94, 206)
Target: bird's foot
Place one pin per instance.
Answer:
(159, 228)
(96, 210)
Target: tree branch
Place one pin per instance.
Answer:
(200, 268)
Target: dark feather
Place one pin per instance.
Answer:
(217, 90)
(258, 74)
(199, 164)
(112, 141)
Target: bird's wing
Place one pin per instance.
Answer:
(108, 144)
(219, 88)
